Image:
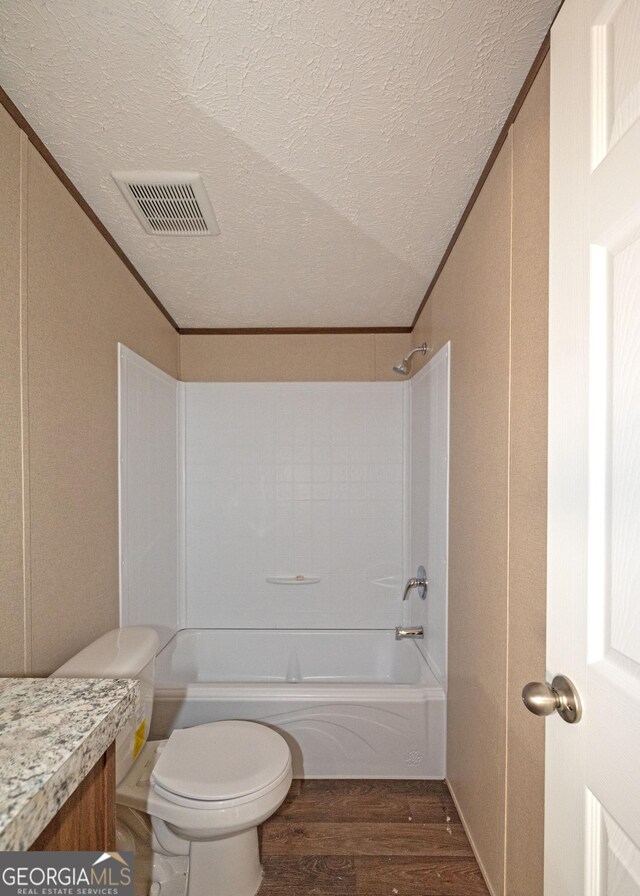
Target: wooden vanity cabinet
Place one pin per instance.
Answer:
(87, 821)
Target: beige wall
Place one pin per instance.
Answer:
(527, 488)
(470, 307)
(80, 301)
(322, 357)
(491, 302)
(12, 606)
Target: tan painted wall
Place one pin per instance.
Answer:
(470, 307)
(12, 606)
(268, 358)
(527, 492)
(491, 302)
(80, 301)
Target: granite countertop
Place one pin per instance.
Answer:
(52, 732)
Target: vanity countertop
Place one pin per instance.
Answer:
(52, 732)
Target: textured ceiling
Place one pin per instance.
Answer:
(339, 140)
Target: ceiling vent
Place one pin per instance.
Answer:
(169, 203)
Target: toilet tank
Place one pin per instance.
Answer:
(122, 653)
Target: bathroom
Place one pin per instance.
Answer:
(165, 456)
(73, 412)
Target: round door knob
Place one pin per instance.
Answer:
(560, 696)
(539, 698)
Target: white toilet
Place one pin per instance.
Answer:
(206, 789)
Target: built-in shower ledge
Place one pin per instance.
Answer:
(52, 733)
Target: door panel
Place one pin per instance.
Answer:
(614, 868)
(593, 780)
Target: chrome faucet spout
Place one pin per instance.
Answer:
(409, 631)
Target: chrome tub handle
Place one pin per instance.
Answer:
(419, 581)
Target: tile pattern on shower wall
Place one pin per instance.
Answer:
(286, 479)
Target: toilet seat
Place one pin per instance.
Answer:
(228, 763)
(188, 803)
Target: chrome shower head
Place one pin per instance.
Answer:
(404, 366)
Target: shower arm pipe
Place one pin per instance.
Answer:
(423, 349)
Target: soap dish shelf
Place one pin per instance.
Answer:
(293, 580)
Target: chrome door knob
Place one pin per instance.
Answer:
(560, 696)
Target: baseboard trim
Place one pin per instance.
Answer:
(470, 838)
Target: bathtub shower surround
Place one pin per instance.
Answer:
(294, 479)
(301, 511)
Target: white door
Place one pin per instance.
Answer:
(592, 841)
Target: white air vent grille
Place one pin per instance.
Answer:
(168, 203)
(170, 208)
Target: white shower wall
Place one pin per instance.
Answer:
(149, 492)
(286, 479)
(224, 485)
(429, 499)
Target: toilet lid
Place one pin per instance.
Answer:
(221, 760)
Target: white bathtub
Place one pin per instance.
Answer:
(351, 704)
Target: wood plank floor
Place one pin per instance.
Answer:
(368, 838)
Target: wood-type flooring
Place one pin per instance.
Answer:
(368, 838)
